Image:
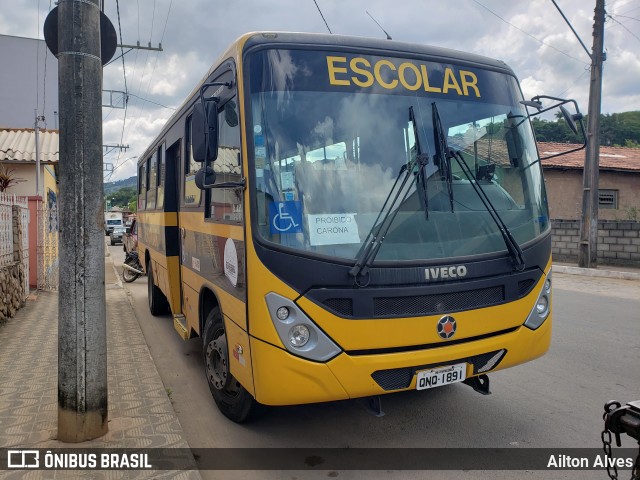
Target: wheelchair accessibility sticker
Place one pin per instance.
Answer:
(285, 217)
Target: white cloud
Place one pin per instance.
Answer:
(198, 31)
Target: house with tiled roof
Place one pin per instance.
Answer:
(18, 154)
(18, 157)
(618, 186)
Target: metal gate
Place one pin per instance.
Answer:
(48, 263)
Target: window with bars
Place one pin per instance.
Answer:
(608, 199)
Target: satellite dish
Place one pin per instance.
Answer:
(108, 38)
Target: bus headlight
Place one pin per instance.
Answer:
(299, 336)
(298, 333)
(542, 307)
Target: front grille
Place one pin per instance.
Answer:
(399, 378)
(437, 303)
(525, 286)
(341, 306)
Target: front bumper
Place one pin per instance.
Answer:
(283, 379)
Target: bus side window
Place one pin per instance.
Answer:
(161, 176)
(225, 204)
(142, 185)
(152, 181)
(191, 193)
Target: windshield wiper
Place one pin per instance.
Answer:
(378, 231)
(389, 210)
(422, 161)
(512, 246)
(443, 155)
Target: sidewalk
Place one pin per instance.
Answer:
(603, 271)
(140, 411)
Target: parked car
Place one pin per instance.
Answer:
(116, 235)
(130, 238)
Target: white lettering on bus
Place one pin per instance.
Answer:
(445, 272)
(408, 75)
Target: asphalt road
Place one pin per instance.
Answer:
(553, 402)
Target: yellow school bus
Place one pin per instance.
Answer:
(340, 217)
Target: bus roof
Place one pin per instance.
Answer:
(380, 45)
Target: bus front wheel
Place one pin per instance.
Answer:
(232, 399)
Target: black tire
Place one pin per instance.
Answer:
(127, 275)
(232, 399)
(158, 304)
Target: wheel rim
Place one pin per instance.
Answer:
(218, 365)
(128, 275)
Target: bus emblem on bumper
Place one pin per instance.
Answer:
(447, 327)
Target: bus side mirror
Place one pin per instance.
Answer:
(204, 131)
(205, 178)
(571, 119)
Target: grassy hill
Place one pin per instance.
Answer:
(110, 187)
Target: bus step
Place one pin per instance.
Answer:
(480, 384)
(180, 324)
(373, 405)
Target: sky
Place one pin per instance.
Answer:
(529, 35)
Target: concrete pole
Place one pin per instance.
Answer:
(588, 248)
(82, 347)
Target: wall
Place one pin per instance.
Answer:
(27, 171)
(564, 191)
(12, 275)
(23, 80)
(618, 242)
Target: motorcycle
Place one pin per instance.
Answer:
(131, 269)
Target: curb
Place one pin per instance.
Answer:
(591, 272)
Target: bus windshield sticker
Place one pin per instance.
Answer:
(286, 178)
(333, 229)
(285, 217)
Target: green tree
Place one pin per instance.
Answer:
(122, 197)
(616, 129)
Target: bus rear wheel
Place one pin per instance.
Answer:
(232, 399)
(158, 304)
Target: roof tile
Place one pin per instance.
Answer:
(19, 145)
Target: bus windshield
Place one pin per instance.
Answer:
(332, 133)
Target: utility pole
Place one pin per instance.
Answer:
(36, 132)
(82, 345)
(588, 248)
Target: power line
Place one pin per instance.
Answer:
(153, 17)
(155, 65)
(124, 72)
(586, 70)
(325, 21)
(44, 93)
(624, 26)
(121, 48)
(150, 101)
(625, 16)
(528, 34)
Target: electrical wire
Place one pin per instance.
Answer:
(625, 27)
(325, 22)
(44, 93)
(141, 106)
(124, 72)
(625, 16)
(528, 34)
(151, 101)
(586, 70)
